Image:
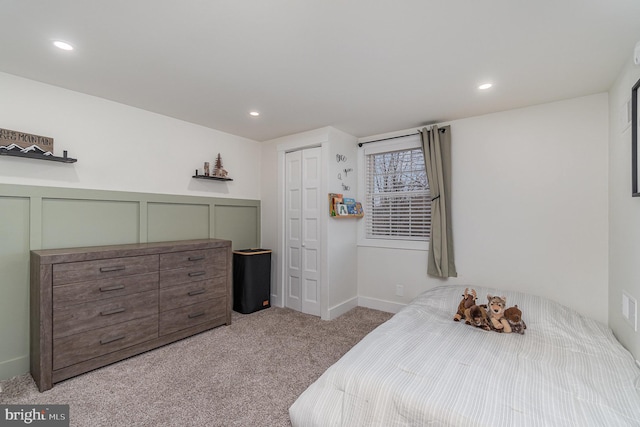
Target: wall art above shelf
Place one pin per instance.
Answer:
(37, 155)
(28, 145)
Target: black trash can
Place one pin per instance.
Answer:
(251, 280)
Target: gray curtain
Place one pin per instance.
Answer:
(436, 146)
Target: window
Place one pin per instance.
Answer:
(397, 198)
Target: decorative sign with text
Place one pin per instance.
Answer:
(11, 140)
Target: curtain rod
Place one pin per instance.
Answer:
(360, 144)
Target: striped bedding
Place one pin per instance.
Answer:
(421, 368)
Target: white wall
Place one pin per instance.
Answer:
(342, 232)
(338, 260)
(270, 222)
(120, 147)
(272, 204)
(529, 210)
(624, 214)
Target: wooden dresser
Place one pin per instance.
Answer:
(97, 305)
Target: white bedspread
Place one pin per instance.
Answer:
(423, 369)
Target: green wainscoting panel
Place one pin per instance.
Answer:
(68, 223)
(33, 217)
(174, 221)
(238, 223)
(14, 289)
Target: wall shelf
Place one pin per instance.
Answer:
(214, 178)
(336, 200)
(38, 156)
(348, 216)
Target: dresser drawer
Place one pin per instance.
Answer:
(184, 317)
(186, 275)
(87, 345)
(192, 293)
(196, 259)
(97, 314)
(78, 293)
(85, 271)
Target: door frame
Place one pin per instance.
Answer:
(312, 140)
(308, 241)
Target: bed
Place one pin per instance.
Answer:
(421, 368)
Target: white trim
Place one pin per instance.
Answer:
(340, 309)
(311, 139)
(410, 142)
(382, 305)
(409, 245)
(324, 234)
(280, 273)
(276, 301)
(8, 368)
(394, 134)
(407, 143)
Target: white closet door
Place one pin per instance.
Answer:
(311, 231)
(293, 229)
(302, 231)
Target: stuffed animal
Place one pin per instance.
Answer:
(496, 314)
(477, 316)
(468, 300)
(514, 317)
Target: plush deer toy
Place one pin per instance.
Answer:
(468, 300)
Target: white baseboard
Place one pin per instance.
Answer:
(14, 367)
(378, 304)
(342, 308)
(276, 301)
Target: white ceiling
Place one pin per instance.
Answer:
(363, 66)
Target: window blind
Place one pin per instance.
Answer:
(397, 201)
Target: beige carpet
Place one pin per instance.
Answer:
(245, 374)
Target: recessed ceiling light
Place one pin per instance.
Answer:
(62, 45)
(254, 113)
(485, 86)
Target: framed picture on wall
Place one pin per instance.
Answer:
(634, 139)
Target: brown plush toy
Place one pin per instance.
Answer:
(477, 316)
(468, 300)
(514, 317)
(496, 314)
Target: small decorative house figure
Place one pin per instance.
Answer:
(218, 170)
(206, 168)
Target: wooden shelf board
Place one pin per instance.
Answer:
(38, 156)
(215, 178)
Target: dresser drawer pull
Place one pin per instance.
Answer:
(198, 314)
(107, 341)
(196, 258)
(197, 273)
(111, 288)
(109, 269)
(114, 311)
(197, 292)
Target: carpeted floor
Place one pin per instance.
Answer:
(245, 374)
